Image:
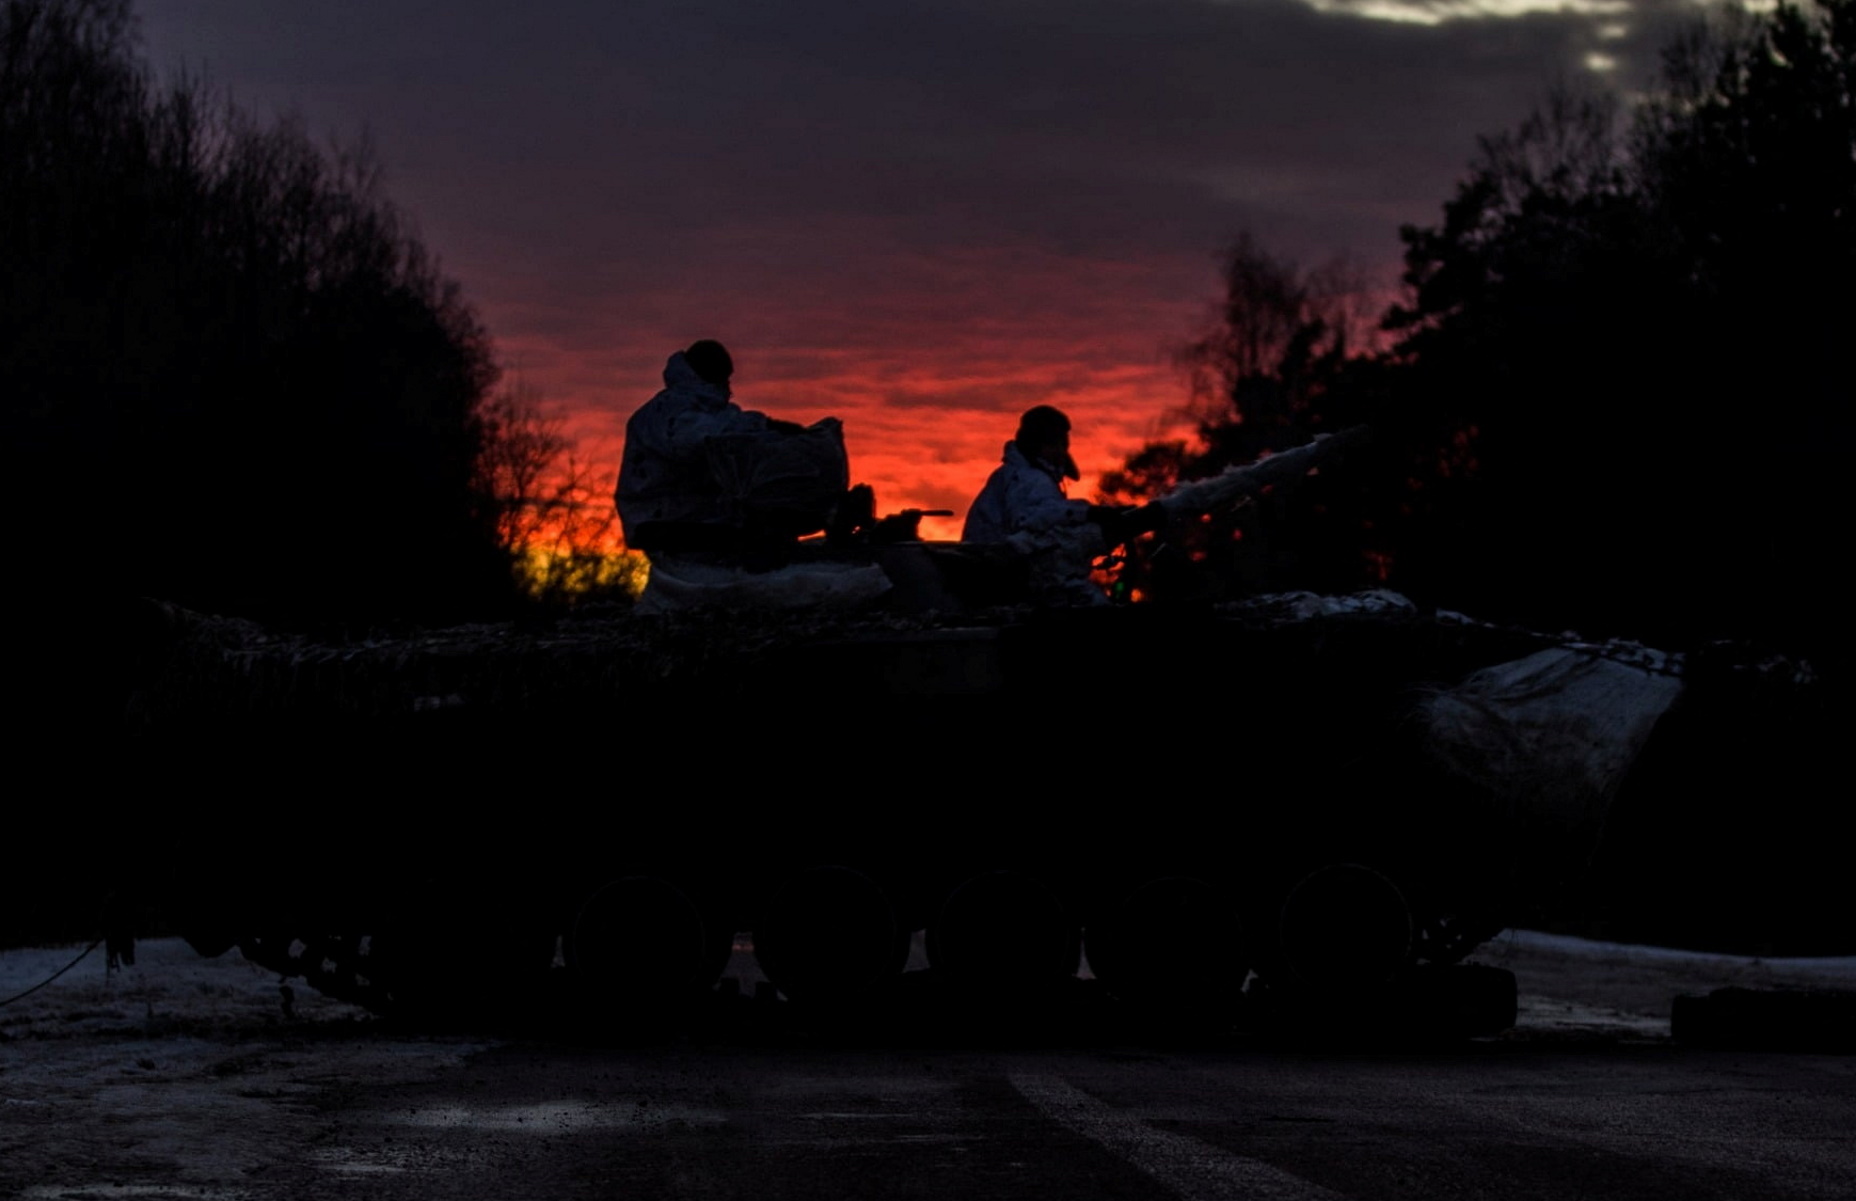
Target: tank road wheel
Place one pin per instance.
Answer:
(829, 934)
(448, 956)
(641, 942)
(1447, 938)
(275, 952)
(1004, 935)
(1345, 927)
(1173, 943)
(1464, 1000)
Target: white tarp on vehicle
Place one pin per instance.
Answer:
(678, 585)
(1552, 734)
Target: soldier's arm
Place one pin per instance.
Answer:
(688, 431)
(1037, 504)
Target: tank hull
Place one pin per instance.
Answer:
(613, 801)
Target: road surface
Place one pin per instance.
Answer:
(186, 1078)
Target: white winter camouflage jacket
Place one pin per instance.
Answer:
(1021, 497)
(665, 474)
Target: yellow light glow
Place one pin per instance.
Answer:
(545, 572)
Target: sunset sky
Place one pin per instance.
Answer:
(922, 216)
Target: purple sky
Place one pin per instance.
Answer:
(921, 215)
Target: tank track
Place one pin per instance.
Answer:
(999, 941)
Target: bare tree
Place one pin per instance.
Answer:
(554, 513)
(1278, 334)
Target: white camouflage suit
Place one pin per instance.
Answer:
(1023, 506)
(665, 475)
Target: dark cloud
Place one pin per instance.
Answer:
(910, 204)
(1100, 127)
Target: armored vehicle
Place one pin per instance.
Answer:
(1297, 797)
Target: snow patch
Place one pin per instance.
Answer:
(1830, 970)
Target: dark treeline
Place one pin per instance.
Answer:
(232, 378)
(1617, 394)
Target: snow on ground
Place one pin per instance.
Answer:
(145, 1058)
(1828, 971)
(168, 986)
(1577, 985)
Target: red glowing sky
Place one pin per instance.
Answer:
(921, 217)
(930, 380)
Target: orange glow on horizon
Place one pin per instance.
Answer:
(929, 372)
(928, 367)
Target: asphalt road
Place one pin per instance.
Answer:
(1508, 1120)
(189, 1082)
